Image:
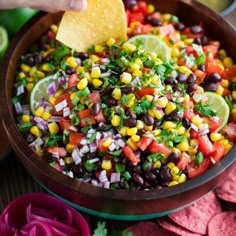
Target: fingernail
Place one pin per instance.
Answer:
(78, 5)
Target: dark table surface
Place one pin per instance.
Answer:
(15, 181)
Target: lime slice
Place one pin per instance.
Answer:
(152, 43)
(219, 104)
(3, 41)
(40, 92)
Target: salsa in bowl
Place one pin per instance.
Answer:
(141, 121)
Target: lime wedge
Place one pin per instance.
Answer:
(39, 91)
(219, 104)
(3, 41)
(152, 43)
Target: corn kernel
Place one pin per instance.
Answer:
(233, 111)
(139, 124)
(188, 41)
(139, 62)
(54, 28)
(36, 131)
(116, 93)
(25, 118)
(173, 183)
(134, 66)
(94, 58)
(25, 68)
(220, 90)
(184, 69)
(108, 142)
(175, 52)
(181, 130)
(148, 98)
(137, 73)
(82, 84)
(135, 138)
(98, 48)
(47, 67)
(151, 112)
(79, 69)
(132, 131)
(53, 128)
(182, 178)
(148, 127)
(222, 53)
(21, 75)
(59, 93)
(97, 83)
(70, 147)
(193, 146)
(132, 144)
(158, 114)
(171, 164)
(174, 170)
(110, 42)
(228, 62)
(156, 132)
(96, 72)
(234, 95)
(170, 107)
(72, 62)
(74, 96)
(52, 100)
(168, 88)
(162, 102)
(169, 125)
(228, 147)
(197, 120)
(68, 160)
(150, 8)
(183, 146)
(155, 80)
(130, 47)
(157, 164)
(115, 120)
(123, 131)
(175, 177)
(46, 115)
(225, 83)
(216, 137)
(39, 111)
(106, 164)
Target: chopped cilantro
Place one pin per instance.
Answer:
(199, 158)
(205, 109)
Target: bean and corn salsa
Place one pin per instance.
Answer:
(121, 118)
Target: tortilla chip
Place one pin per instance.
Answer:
(98, 23)
(196, 216)
(223, 224)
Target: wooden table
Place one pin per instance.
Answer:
(15, 181)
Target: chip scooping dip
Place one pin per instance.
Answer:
(99, 22)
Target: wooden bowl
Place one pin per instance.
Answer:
(116, 204)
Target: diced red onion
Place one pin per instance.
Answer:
(62, 80)
(193, 126)
(135, 81)
(36, 143)
(55, 118)
(52, 88)
(76, 155)
(105, 60)
(103, 176)
(98, 136)
(25, 109)
(70, 174)
(106, 184)
(66, 112)
(83, 141)
(20, 90)
(61, 161)
(216, 118)
(120, 142)
(84, 149)
(73, 128)
(137, 153)
(61, 105)
(112, 147)
(93, 147)
(94, 182)
(117, 136)
(106, 74)
(94, 160)
(56, 155)
(115, 177)
(204, 132)
(18, 108)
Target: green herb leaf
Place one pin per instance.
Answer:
(101, 229)
(199, 158)
(116, 153)
(205, 109)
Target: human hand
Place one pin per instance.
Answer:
(46, 5)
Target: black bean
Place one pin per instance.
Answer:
(30, 61)
(147, 185)
(130, 122)
(43, 46)
(108, 89)
(170, 80)
(148, 18)
(155, 22)
(204, 40)
(91, 155)
(48, 58)
(182, 77)
(127, 89)
(130, 114)
(77, 169)
(196, 29)
(38, 58)
(213, 77)
(151, 177)
(165, 173)
(138, 179)
(138, 169)
(186, 123)
(110, 101)
(210, 87)
(148, 120)
(175, 116)
(191, 87)
(202, 67)
(197, 41)
(165, 184)
(156, 124)
(191, 78)
(180, 26)
(130, 3)
(70, 71)
(175, 87)
(95, 109)
(173, 157)
(82, 55)
(140, 132)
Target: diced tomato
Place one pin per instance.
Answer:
(213, 48)
(75, 138)
(194, 171)
(232, 117)
(65, 124)
(86, 117)
(156, 15)
(226, 92)
(229, 73)
(213, 68)
(60, 150)
(63, 97)
(51, 35)
(167, 30)
(230, 131)
(144, 142)
(189, 112)
(190, 50)
(145, 91)
(205, 145)
(213, 124)
(94, 97)
(100, 117)
(200, 76)
(135, 17)
(129, 153)
(155, 147)
(219, 152)
(101, 147)
(146, 28)
(183, 161)
(191, 35)
(140, 7)
(57, 166)
(193, 134)
(72, 81)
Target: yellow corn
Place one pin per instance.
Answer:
(125, 77)
(39, 111)
(47, 67)
(97, 83)
(222, 53)
(184, 69)
(116, 93)
(148, 127)
(234, 95)
(95, 72)
(168, 88)
(98, 48)
(115, 120)
(135, 138)
(162, 102)
(181, 130)
(68, 160)
(182, 178)
(70, 147)
(132, 131)
(220, 90)
(46, 115)
(175, 52)
(155, 80)
(151, 112)
(25, 68)
(174, 170)
(132, 144)
(228, 147)
(216, 137)
(110, 42)
(170, 107)
(108, 142)
(148, 98)
(82, 84)
(106, 164)
(139, 124)
(52, 100)
(59, 93)
(171, 164)
(36, 131)
(139, 62)
(53, 128)
(74, 96)
(21, 75)
(158, 113)
(123, 131)
(129, 47)
(94, 58)
(150, 8)
(225, 83)
(156, 132)
(233, 111)
(193, 146)
(228, 62)
(156, 164)
(188, 41)
(79, 69)
(173, 183)
(183, 146)
(25, 118)
(54, 28)
(72, 62)
(137, 73)
(134, 66)
(197, 120)
(169, 125)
